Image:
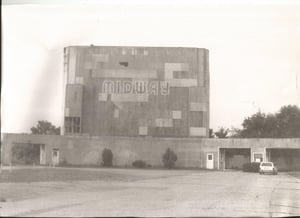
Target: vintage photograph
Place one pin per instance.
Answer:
(163, 108)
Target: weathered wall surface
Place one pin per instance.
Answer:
(87, 150)
(191, 152)
(136, 91)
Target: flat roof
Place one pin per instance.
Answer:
(107, 46)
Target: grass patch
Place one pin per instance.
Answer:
(61, 174)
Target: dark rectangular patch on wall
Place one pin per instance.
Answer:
(181, 74)
(196, 119)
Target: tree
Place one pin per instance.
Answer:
(211, 133)
(234, 132)
(222, 132)
(44, 127)
(169, 158)
(107, 157)
(284, 124)
(288, 121)
(254, 126)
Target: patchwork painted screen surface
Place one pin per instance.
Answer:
(137, 91)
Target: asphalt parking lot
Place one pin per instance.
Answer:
(132, 192)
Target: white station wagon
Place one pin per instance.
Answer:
(267, 167)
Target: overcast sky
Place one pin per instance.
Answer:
(254, 51)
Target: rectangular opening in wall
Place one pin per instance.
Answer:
(234, 158)
(285, 159)
(25, 153)
(124, 64)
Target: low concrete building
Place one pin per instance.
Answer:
(192, 152)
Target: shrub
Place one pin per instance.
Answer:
(139, 164)
(251, 167)
(107, 157)
(64, 162)
(169, 158)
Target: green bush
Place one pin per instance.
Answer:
(139, 164)
(107, 157)
(169, 158)
(251, 167)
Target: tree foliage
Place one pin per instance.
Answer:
(107, 157)
(44, 127)
(211, 133)
(222, 132)
(289, 122)
(235, 132)
(284, 124)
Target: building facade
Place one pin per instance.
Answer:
(206, 153)
(138, 102)
(136, 91)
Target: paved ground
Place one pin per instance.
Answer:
(126, 192)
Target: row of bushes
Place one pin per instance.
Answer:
(169, 158)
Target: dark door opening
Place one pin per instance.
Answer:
(285, 159)
(234, 158)
(26, 154)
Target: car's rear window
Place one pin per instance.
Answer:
(266, 164)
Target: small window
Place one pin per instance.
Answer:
(76, 129)
(209, 157)
(72, 124)
(55, 153)
(124, 64)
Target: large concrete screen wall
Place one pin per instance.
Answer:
(136, 91)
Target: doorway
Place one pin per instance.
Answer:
(210, 161)
(55, 156)
(234, 158)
